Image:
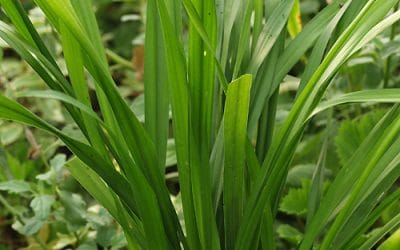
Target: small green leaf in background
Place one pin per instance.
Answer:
(88, 245)
(19, 169)
(15, 186)
(290, 234)
(392, 243)
(97, 216)
(137, 107)
(58, 162)
(295, 202)
(294, 22)
(51, 110)
(105, 236)
(64, 241)
(310, 6)
(352, 133)
(363, 74)
(299, 173)
(10, 133)
(41, 206)
(74, 210)
(110, 237)
(54, 175)
(100, 220)
(30, 227)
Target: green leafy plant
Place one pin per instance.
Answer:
(51, 215)
(223, 90)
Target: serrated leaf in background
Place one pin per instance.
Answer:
(352, 133)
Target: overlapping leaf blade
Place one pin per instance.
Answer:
(235, 140)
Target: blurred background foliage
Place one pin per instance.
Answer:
(43, 207)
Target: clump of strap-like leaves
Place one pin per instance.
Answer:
(223, 94)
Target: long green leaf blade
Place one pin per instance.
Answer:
(156, 86)
(235, 140)
(376, 95)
